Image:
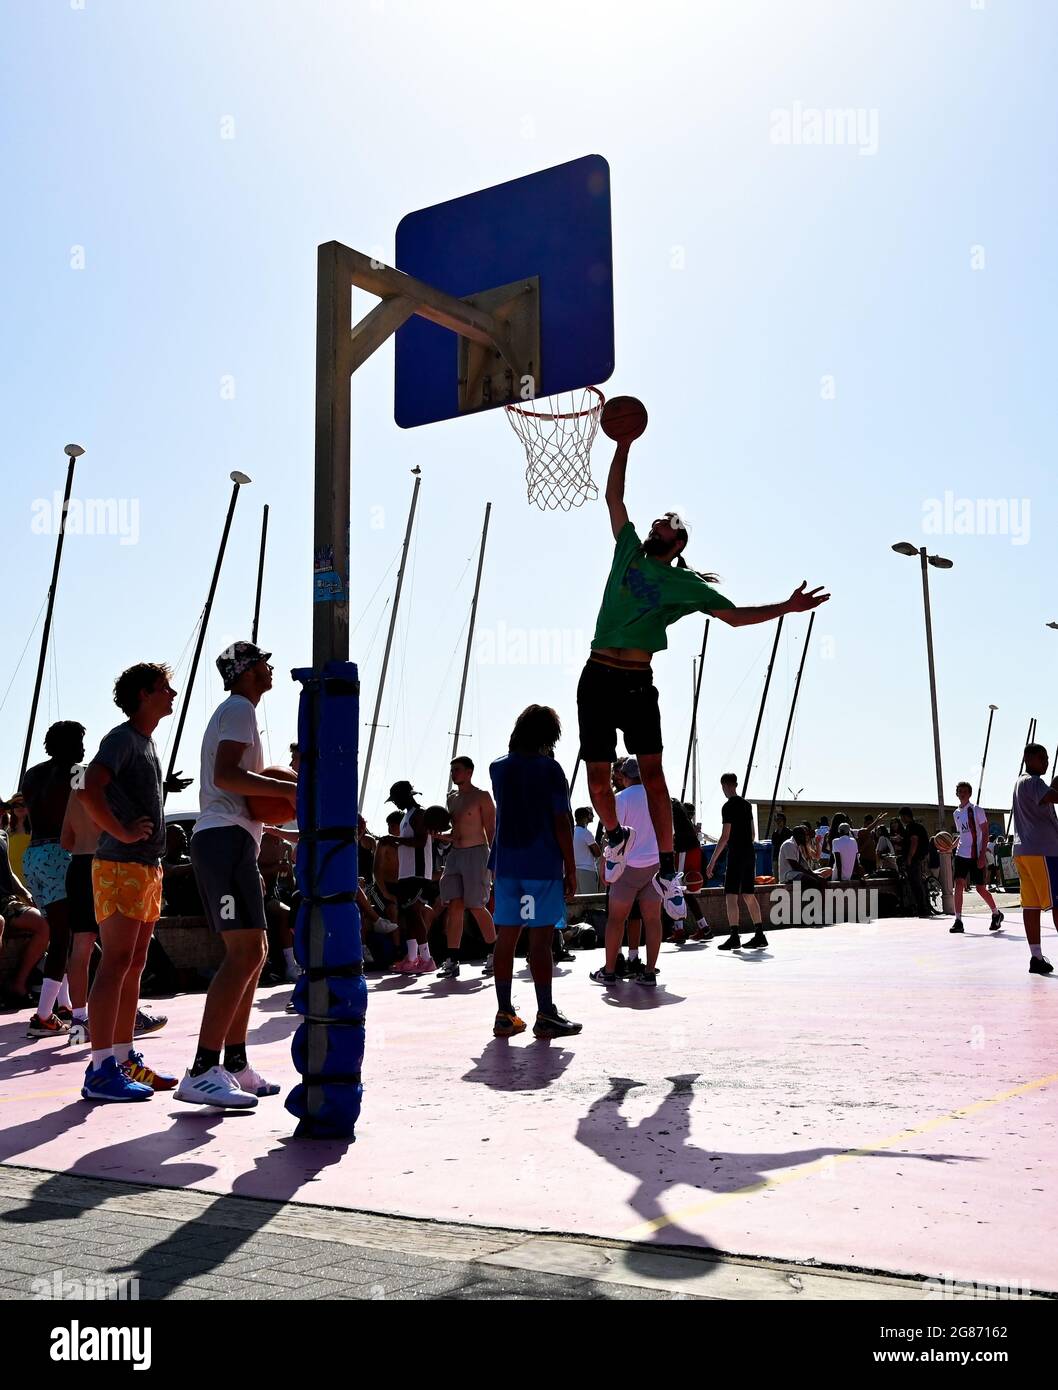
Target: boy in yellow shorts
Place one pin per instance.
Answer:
(123, 795)
(1036, 850)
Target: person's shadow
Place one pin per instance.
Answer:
(658, 1154)
(502, 1067)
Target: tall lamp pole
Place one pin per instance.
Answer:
(73, 452)
(984, 756)
(941, 563)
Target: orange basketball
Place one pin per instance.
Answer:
(944, 842)
(274, 810)
(623, 418)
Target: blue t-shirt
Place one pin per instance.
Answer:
(530, 790)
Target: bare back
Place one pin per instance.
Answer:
(473, 815)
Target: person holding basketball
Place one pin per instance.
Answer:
(650, 586)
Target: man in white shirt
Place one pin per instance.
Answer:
(636, 884)
(846, 851)
(224, 850)
(971, 826)
(586, 852)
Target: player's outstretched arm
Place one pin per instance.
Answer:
(799, 601)
(615, 488)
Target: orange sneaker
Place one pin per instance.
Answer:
(136, 1069)
(507, 1025)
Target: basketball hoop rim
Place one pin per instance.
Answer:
(531, 414)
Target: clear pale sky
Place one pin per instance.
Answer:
(827, 336)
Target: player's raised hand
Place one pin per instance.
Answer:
(804, 598)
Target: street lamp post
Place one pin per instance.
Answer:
(938, 562)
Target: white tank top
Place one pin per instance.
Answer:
(412, 862)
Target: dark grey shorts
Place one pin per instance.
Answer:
(229, 881)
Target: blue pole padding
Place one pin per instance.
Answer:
(331, 995)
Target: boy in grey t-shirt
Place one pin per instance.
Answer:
(1036, 850)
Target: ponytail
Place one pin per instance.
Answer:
(682, 564)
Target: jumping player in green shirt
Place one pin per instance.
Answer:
(649, 588)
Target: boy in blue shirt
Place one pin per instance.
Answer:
(533, 866)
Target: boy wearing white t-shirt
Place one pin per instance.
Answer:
(636, 883)
(224, 850)
(971, 825)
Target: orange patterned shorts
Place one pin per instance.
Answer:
(131, 890)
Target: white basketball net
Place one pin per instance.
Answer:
(557, 433)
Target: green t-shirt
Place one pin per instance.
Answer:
(643, 596)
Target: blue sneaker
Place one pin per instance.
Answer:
(109, 1082)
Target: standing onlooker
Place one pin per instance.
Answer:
(866, 846)
(80, 837)
(1036, 850)
(46, 788)
(414, 876)
(740, 878)
(779, 836)
(916, 859)
(123, 795)
(532, 860)
(225, 846)
(884, 849)
(971, 824)
(845, 851)
(586, 852)
(465, 882)
(636, 884)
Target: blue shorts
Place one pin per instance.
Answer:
(529, 902)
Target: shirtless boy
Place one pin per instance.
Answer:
(465, 882)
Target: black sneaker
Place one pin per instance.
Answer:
(635, 969)
(602, 976)
(554, 1025)
(757, 942)
(956, 927)
(733, 943)
(622, 965)
(1039, 966)
(450, 969)
(996, 922)
(647, 977)
(564, 954)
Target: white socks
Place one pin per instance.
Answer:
(413, 949)
(633, 953)
(121, 1052)
(64, 993)
(80, 1015)
(49, 993)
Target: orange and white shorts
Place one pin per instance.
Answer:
(128, 890)
(1039, 880)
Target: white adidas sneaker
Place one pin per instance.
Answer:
(214, 1087)
(613, 856)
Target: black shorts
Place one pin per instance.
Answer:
(968, 869)
(741, 872)
(409, 891)
(229, 881)
(608, 699)
(79, 893)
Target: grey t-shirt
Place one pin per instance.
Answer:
(1035, 826)
(135, 790)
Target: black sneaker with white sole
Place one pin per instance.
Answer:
(646, 977)
(602, 976)
(956, 927)
(555, 1025)
(757, 942)
(996, 922)
(733, 943)
(449, 970)
(1039, 965)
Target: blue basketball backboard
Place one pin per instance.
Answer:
(553, 226)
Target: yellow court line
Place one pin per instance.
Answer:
(37, 1095)
(647, 1228)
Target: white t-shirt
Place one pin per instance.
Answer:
(845, 849)
(582, 855)
(789, 860)
(965, 847)
(633, 810)
(234, 721)
(412, 862)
